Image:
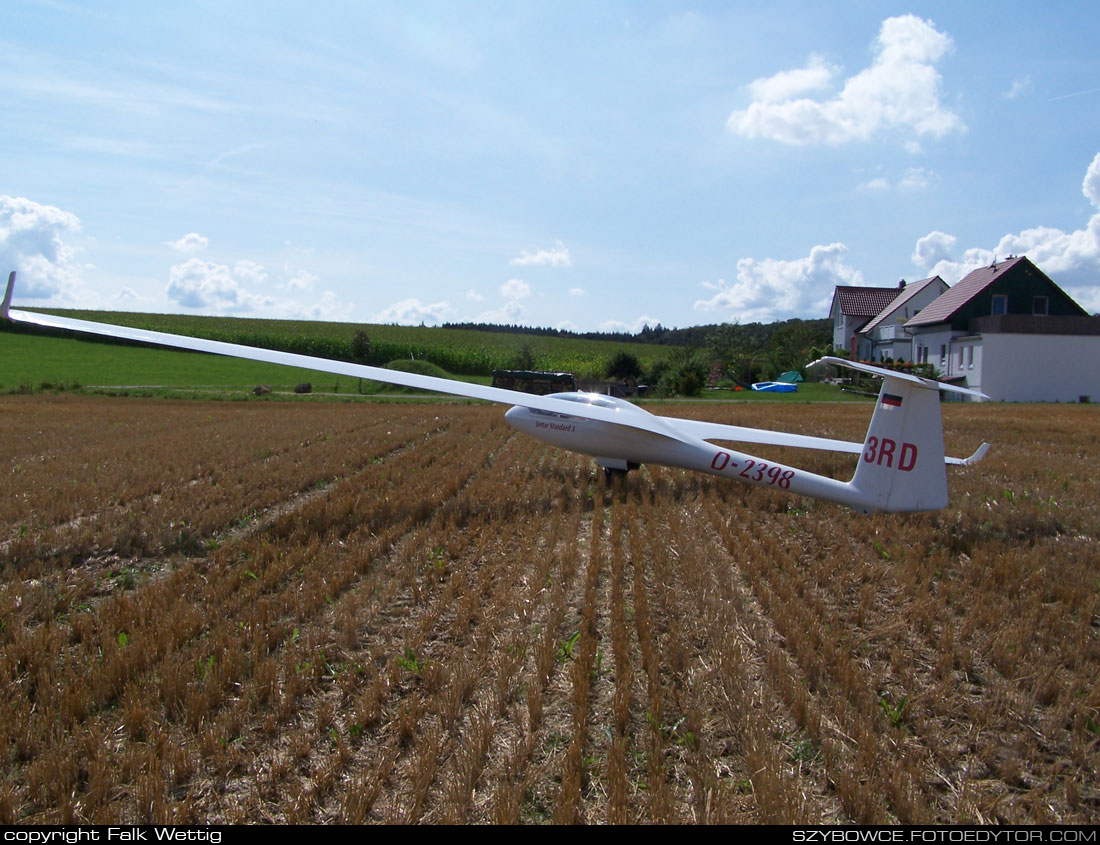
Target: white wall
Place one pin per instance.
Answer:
(1039, 368)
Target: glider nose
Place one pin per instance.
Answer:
(515, 415)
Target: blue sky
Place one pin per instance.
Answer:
(586, 166)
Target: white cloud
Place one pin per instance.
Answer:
(474, 295)
(556, 256)
(510, 313)
(915, 179)
(515, 289)
(816, 76)
(1091, 186)
(899, 91)
(630, 328)
(213, 287)
(127, 295)
(31, 242)
(413, 312)
(328, 307)
(250, 271)
(1071, 259)
(190, 243)
(1019, 86)
(933, 248)
(300, 279)
(773, 289)
(567, 326)
(577, 292)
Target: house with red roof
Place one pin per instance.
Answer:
(853, 307)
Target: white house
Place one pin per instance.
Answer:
(885, 336)
(853, 307)
(1012, 333)
(1023, 358)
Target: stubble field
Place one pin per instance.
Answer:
(409, 613)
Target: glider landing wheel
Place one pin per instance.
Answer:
(611, 473)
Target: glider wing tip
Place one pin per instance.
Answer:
(978, 454)
(7, 296)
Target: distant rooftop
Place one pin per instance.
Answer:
(950, 301)
(907, 293)
(863, 302)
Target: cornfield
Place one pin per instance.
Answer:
(409, 613)
(459, 351)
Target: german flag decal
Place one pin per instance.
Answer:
(891, 400)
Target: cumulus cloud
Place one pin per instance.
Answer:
(250, 271)
(577, 292)
(207, 286)
(299, 279)
(328, 307)
(474, 295)
(933, 248)
(413, 312)
(556, 256)
(1072, 259)
(630, 328)
(788, 84)
(900, 90)
(515, 289)
(32, 243)
(190, 243)
(1091, 186)
(773, 289)
(510, 313)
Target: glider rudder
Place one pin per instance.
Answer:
(901, 467)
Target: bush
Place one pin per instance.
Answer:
(624, 366)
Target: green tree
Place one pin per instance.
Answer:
(624, 366)
(360, 347)
(684, 375)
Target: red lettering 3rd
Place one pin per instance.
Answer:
(885, 450)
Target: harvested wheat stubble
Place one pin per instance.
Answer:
(283, 613)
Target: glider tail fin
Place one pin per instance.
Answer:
(902, 467)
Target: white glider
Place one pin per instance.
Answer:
(902, 465)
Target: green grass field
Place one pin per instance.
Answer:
(462, 351)
(29, 363)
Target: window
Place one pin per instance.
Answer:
(943, 354)
(1000, 304)
(970, 357)
(1040, 306)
